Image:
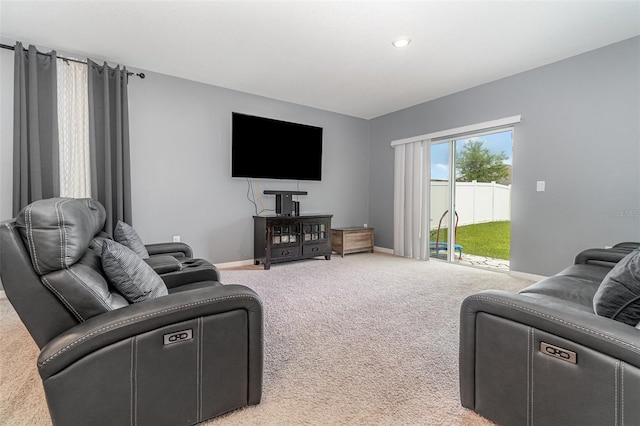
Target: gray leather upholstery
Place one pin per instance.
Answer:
(178, 250)
(191, 270)
(183, 267)
(163, 264)
(173, 360)
(57, 231)
(507, 341)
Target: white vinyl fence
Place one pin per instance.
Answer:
(476, 202)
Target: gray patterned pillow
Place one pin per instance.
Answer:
(128, 237)
(618, 296)
(129, 274)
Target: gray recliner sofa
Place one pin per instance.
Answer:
(544, 357)
(175, 263)
(194, 353)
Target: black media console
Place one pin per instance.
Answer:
(284, 238)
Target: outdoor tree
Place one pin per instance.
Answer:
(475, 162)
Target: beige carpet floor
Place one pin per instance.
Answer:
(368, 339)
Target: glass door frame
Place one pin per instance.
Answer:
(451, 197)
(451, 234)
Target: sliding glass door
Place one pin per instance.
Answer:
(470, 199)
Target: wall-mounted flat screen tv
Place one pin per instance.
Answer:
(265, 148)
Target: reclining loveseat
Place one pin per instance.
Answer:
(121, 344)
(173, 261)
(564, 351)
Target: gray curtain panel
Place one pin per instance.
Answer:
(35, 127)
(109, 142)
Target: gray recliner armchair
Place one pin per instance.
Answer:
(549, 355)
(178, 359)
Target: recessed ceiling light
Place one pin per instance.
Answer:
(402, 42)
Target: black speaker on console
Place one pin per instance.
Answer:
(285, 206)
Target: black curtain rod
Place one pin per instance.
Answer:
(6, 46)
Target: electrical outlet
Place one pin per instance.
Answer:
(540, 186)
(176, 238)
(365, 225)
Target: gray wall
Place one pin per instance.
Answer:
(580, 133)
(181, 163)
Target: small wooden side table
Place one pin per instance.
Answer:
(351, 240)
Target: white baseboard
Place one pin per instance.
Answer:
(526, 276)
(383, 250)
(235, 264)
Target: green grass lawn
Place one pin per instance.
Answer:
(489, 239)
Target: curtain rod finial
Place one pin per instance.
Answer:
(139, 74)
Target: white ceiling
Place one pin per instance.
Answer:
(336, 56)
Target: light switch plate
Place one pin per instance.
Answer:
(540, 186)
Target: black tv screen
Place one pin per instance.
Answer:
(273, 149)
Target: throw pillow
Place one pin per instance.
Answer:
(97, 242)
(129, 274)
(618, 296)
(128, 237)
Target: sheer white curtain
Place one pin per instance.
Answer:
(411, 199)
(73, 125)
